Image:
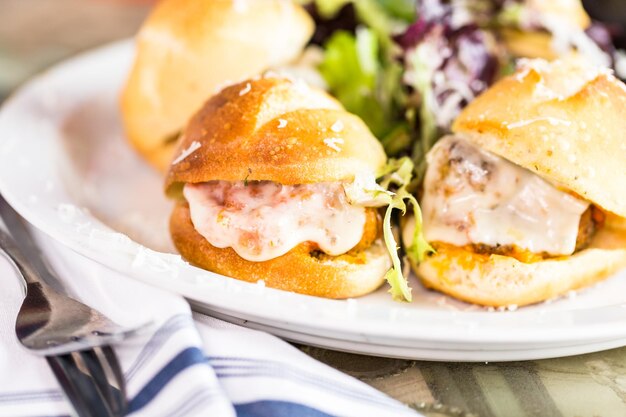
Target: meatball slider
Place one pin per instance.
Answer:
(188, 49)
(262, 178)
(514, 201)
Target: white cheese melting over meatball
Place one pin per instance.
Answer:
(264, 220)
(472, 196)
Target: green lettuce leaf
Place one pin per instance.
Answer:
(369, 10)
(351, 69)
(329, 8)
(511, 15)
(404, 10)
(363, 72)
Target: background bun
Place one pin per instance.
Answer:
(349, 275)
(567, 15)
(187, 49)
(562, 120)
(277, 130)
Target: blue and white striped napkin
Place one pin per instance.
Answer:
(188, 365)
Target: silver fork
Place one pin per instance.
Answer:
(74, 338)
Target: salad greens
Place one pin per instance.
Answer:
(350, 68)
(361, 66)
(407, 68)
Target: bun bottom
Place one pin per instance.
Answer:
(344, 276)
(496, 280)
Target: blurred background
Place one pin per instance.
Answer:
(36, 33)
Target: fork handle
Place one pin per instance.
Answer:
(20, 246)
(29, 274)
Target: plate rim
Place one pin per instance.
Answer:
(478, 336)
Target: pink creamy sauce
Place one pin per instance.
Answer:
(264, 220)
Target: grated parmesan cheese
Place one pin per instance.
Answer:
(195, 145)
(337, 126)
(333, 143)
(245, 90)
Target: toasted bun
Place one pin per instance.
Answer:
(616, 222)
(563, 121)
(186, 49)
(276, 130)
(566, 14)
(528, 44)
(344, 276)
(495, 280)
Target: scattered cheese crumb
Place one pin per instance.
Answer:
(332, 143)
(337, 126)
(282, 123)
(351, 306)
(245, 90)
(552, 120)
(195, 145)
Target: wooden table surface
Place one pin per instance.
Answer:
(37, 33)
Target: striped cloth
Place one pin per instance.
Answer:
(188, 365)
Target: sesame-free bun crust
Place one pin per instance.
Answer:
(344, 276)
(564, 121)
(276, 130)
(187, 49)
(496, 280)
(526, 43)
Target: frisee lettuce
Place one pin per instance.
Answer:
(391, 191)
(397, 174)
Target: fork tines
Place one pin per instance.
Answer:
(92, 380)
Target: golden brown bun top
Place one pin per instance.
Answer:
(562, 120)
(188, 49)
(277, 130)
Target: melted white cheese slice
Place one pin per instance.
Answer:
(264, 220)
(473, 196)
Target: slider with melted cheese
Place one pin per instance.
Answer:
(515, 200)
(262, 178)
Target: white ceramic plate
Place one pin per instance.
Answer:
(67, 169)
